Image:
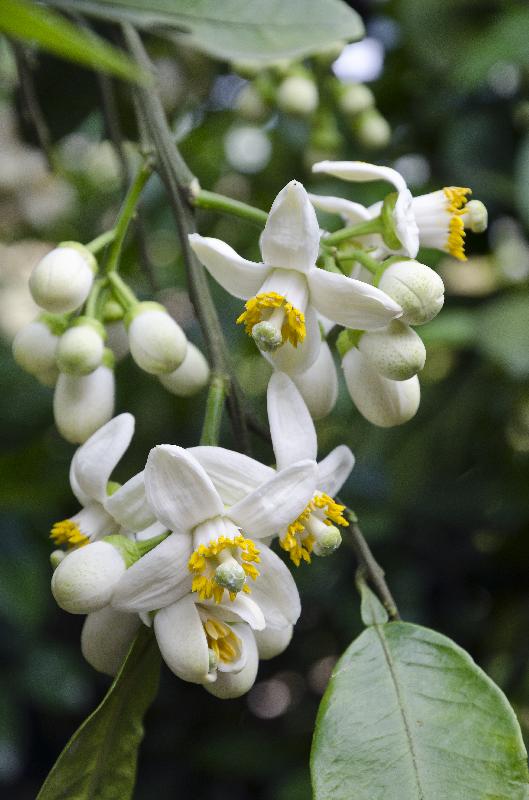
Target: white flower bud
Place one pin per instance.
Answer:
(62, 280)
(106, 637)
(190, 377)
(157, 344)
(35, 347)
(396, 352)
(81, 348)
(250, 103)
(382, 402)
(318, 385)
(415, 287)
(371, 129)
(85, 580)
(355, 98)
(83, 403)
(298, 94)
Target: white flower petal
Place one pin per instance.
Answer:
(234, 684)
(291, 427)
(242, 608)
(159, 578)
(349, 302)
(361, 171)
(277, 503)
(239, 277)
(156, 529)
(233, 474)
(93, 521)
(182, 640)
(352, 213)
(178, 489)
(95, 460)
(275, 590)
(294, 360)
(272, 641)
(106, 637)
(318, 385)
(128, 505)
(334, 470)
(291, 238)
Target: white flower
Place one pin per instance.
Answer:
(62, 280)
(415, 287)
(157, 343)
(81, 347)
(85, 579)
(90, 472)
(381, 401)
(284, 293)
(396, 352)
(293, 438)
(318, 385)
(83, 403)
(190, 377)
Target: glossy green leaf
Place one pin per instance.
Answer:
(50, 31)
(99, 761)
(236, 30)
(408, 715)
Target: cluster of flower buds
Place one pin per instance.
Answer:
(65, 347)
(365, 278)
(184, 545)
(295, 88)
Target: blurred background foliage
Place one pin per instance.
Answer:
(443, 500)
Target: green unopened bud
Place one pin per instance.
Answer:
(62, 280)
(476, 216)
(80, 349)
(230, 575)
(267, 336)
(396, 352)
(112, 311)
(327, 542)
(416, 288)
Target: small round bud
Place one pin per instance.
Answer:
(396, 352)
(382, 402)
(476, 216)
(250, 103)
(298, 94)
(56, 557)
(112, 311)
(83, 403)
(415, 287)
(230, 575)
(81, 348)
(35, 347)
(355, 98)
(62, 280)
(371, 129)
(157, 344)
(190, 377)
(85, 580)
(327, 542)
(267, 336)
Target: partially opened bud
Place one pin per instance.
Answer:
(81, 348)
(157, 344)
(35, 347)
(190, 377)
(85, 580)
(83, 403)
(355, 98)
(298, 94)
(396, 352)
(382, 402)
(62, 280)
(415, 287)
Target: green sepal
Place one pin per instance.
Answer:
(128, 549)
(371, 609)
(90, 322)
(347, 340)
(84, 251)
(387, 263)
(389, 234)
(139, 308)
(57, 323)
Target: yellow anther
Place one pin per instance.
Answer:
(457, 198)
(298, 542)
(258, 309)
(204, 561)
(221, 640)
(68, 533)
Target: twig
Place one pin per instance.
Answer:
(31, 103)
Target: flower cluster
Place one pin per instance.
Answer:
(65, 347)
(185, 545)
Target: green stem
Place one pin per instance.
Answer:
(218, 389)
(101, 241)
(127, 212)
(362, 257)
(226, 205)
(93, 297)
(123, 293)
(363, 228)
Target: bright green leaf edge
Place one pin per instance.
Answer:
(31, 23)
(371, 741)
(99, 762)
(232, 30)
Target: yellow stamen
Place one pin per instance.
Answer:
(297, 542)
(457, 198)
(257, 309)
(221, 639)
(204, 561)
(68, 532)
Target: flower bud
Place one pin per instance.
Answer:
(382, 402)
(396, 352)
(415, 287)
(81, 348)
(318, 385)
(157, 344)
(355, 98)
(83, 403)
(85, 580)
(250, 103)
(371, 129)
(62, 280)
(298, 94)
(190, 377)
(35, 347)
(106, 637)
(476, 216)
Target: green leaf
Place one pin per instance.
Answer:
(50, 31)
(408, 715)
(371, 609)
(236, 29)
(99, 761)
(504, 333)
